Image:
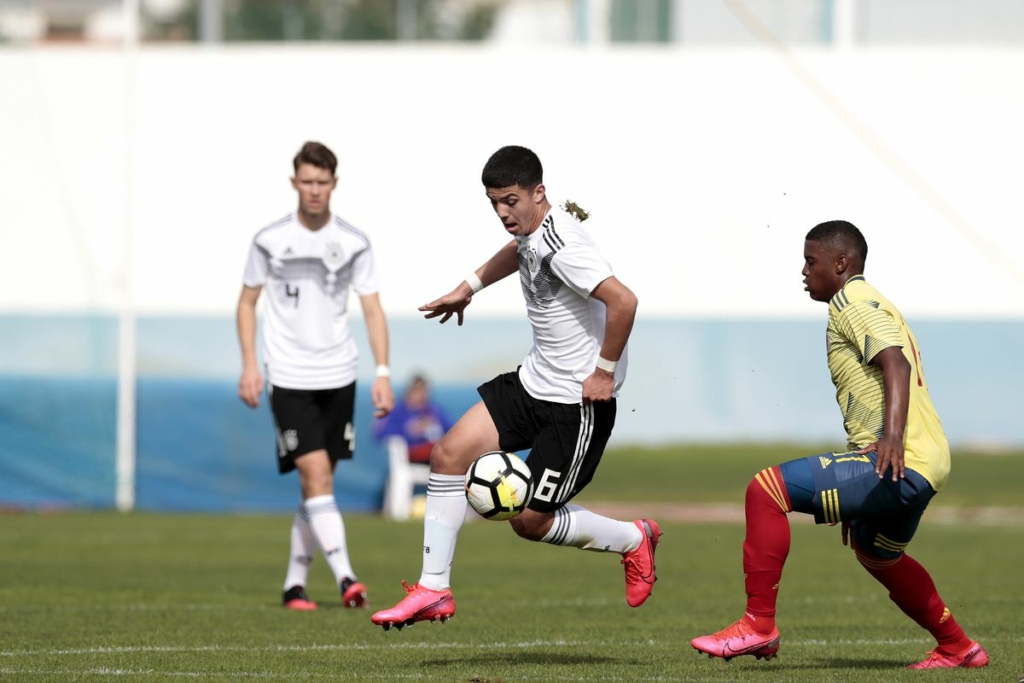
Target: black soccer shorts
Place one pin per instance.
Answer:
(566, 440)
(312, 420)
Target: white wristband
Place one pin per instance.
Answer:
(475, 283)
(606, 365)
(383, 371)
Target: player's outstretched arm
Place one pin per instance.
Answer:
(452, 303)
(250, 386)
(621, 304)
(499, 266)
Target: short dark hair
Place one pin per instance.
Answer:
(842, 235)
(316, 154)
(513, 165)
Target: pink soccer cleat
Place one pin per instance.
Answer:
(970, 658)
(295, 598)
(421, 604)
(639, 563)
(353, 594)
(738, 639)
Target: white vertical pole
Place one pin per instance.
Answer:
(676, 22)
(599, 22)
(211, 21)
(407, 20)
(842, 24)
(125, 492)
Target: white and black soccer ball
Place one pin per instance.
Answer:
(498, 485)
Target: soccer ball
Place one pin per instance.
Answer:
(498, 485)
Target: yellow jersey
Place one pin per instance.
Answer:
(861, 323)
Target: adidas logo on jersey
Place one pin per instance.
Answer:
(825, 462)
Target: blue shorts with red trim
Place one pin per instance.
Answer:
(843, 487)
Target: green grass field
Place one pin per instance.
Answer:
(143, 597)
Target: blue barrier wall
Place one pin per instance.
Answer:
(57, 442)
(200, 448)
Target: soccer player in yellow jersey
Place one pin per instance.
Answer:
(897, 458)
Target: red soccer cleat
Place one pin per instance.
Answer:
(421, 604)
(738, 639)
(639, 563)
(973, 656)
(353, 594)
(295, 598)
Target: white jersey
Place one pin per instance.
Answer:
(559, 266)
(306, 275)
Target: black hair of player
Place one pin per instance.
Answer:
(316, 154)
(513, 165)
(841, 235)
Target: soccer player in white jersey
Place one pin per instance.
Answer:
(307, 262)
(560, 403)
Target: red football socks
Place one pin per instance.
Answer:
(912, 589)
(766, 546)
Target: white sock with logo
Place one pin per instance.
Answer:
(442, 521)
(329, 528)
(580, 528)
(303, 549)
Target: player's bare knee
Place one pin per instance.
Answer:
(444, 459)
(317, 485)
(526, 529)
(531, 525)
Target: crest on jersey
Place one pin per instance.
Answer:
(334, 256)
(531, 261)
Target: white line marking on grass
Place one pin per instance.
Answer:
(339, 676)
(111, 673)
(859, 641)
(185, 607)
(313, 648)
(340, 647)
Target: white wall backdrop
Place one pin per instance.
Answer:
(703, 168)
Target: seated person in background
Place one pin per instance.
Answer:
(418, 420)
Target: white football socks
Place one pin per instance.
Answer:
(303, 547)
(329, 529)
(580, 528)
(442, 521)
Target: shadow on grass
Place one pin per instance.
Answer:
(868, 663)
(750, 667)
(833, 663)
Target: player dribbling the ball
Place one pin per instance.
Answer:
(560, 403)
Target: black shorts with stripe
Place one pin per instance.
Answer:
(312, 420)
(566, 440)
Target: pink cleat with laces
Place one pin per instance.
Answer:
(739, 639)
(973, 656)
(421, 604)
(639, 563)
